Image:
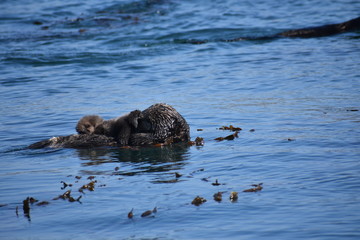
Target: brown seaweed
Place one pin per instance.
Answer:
(216, 183)
(233, 196)
(199, 141)
(149, 212)
(218, 196)
(131, 214)
(229, 137)
(90, 186)
(65, 185)
(67, 196)
(42, 203)
(177, 175)
(26, 207)
(256, 188)
(146, 213)
(198, 201)
(231, 128)
(32, 200)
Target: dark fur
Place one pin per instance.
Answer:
(310, 32)
(326, 30)
(160, 123)
(119, 128)
(76, 141)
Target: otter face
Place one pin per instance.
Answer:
(88, 124)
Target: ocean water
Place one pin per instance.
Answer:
(296, 100)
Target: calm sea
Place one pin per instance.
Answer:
(296, 100)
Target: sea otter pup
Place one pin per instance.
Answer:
(88, 124)
(119, 128)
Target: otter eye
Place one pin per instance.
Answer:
(87, 125)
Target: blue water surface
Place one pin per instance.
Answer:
(296, 100)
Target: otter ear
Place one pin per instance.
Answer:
(134, 117)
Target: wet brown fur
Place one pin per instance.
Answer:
(119, 128)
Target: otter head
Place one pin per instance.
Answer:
(133, 117)
(88, 124)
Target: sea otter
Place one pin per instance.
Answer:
(160, 123)
(119, 128)
(88, 124)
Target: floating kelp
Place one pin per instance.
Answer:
(65, 185)
(166, 181)
(37, 23)
(146, 213)
(130, 214)
(63, 196)
(196, 171)
(198, 201)
(32, 200)
(231, 128)
(149, 212)
(67, 196)
(233, 196)
(43, 203)
(256, 188)
(26, 207)
(90, 186)
(199, 141)
(218, 196)
(229, 137)
(216, 183)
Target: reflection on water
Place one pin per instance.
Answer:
(136, 161)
